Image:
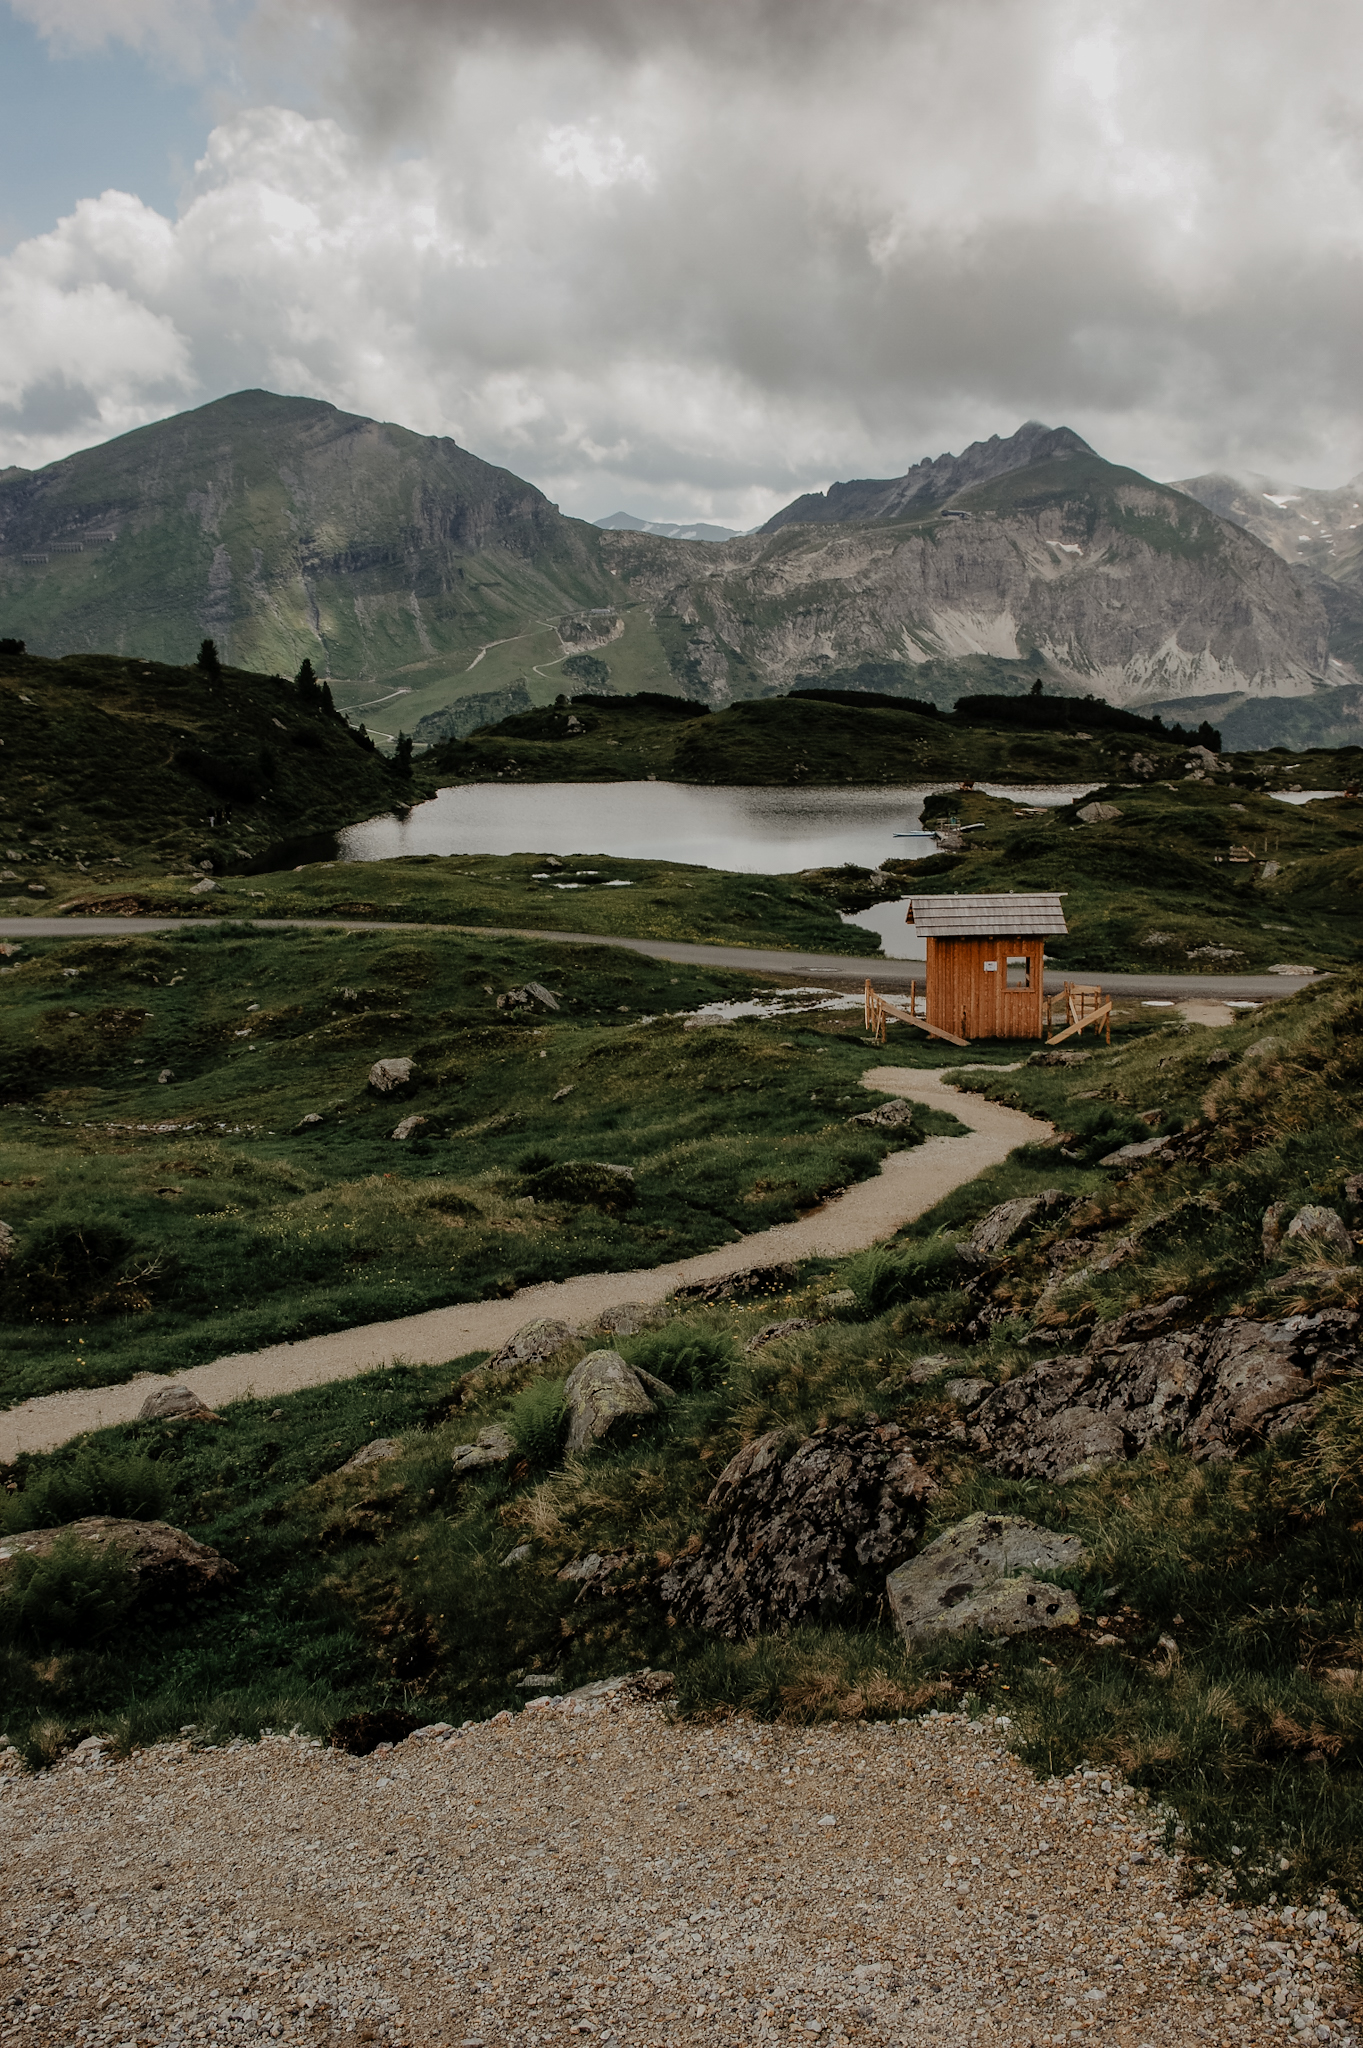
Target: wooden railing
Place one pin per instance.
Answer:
(878, 1012)
(1083, 1004)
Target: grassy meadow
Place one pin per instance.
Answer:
(386, 1591)
(163, 1222)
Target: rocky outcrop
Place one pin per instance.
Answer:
(1315, 1228)
(797, 1528)
(980, 1575)
(1218, 1388)
(770, 1333)
(165, 1562)
(376, 1453)
(600, 1391)
(627, 1319)
(889, 1116)
(738, 1286)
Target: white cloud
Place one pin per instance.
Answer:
(692, 261)
(181, 30)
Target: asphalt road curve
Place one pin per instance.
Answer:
(824, 970)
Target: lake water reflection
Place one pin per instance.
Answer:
(749, 831)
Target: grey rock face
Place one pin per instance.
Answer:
(994, 1233)
(165, 1560)
(171, 1404)
(794, 1529)
(979, 1575)
(599, 1390)
(386, 1075)
(492, 1446)
(890, 1116)
(1099, 814)
(533, 1344)
(1220, 1390)
(1315, 1227)
(375, 1453)
(1131, 1155)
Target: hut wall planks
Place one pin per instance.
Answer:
(975, 986)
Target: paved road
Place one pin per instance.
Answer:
(827, 970)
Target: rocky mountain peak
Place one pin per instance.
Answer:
(934, 480)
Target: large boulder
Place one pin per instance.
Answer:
(981, 1575)
(1218, 1388)
(1002, 1227)
(600, 1390)
(533, 1344)
(175, 1404)
(797, 1528)
(386, 1076)
(166, 1563)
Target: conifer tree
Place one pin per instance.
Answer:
(208, 663)
(402, 759)
(305, 682)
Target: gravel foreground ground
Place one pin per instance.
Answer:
(592, 1869)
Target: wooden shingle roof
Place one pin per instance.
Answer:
(987, 917)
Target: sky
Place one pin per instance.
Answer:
(688, 258)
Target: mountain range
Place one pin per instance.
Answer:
(412, 573)
(628, 522)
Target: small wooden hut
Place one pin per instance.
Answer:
(984, 962)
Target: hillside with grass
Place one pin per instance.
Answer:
(1218, 1655)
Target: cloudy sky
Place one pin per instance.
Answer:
(688, 257)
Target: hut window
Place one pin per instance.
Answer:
(1019, 971)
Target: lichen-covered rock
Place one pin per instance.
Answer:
(167, 1563)
(492, 1446)
(387, 1075)
(890, 1116)
(600, 1390)
(627, 1319)
(797, 1529)
(175, 1404)
(533, 1344)
(735, 1286)
(1220, 1389)
(980, 1575)
(376, 1453)
(1003, 1226)
(1320, 1230)
(408, 1128)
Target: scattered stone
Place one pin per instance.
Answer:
(166, 1074)
(967, 1392)
(1283, 967)
(386, 1075)
(306, 1122)
(629, 1685)
(562, 1093)
(1272, 1229)
(167, 1563)
(600, 1390)
(491, 1446)
(1315, 1279)
(376, 1453)
(892, 1116)
(1318, 1229)
(541, 1681)
(525, 997)
(840, 1298)
(408, 1127)
(533, 1344)
(798, 1529)
(1058, 1059)
(1219, 1388)
(734, 1286)
(1098, 814)
(994, 1233)
(202, 888)
(770, 1332)
(517, 1556)
(175, 1404)
(1131, 1155)
(980, 1575)
(627, 1319)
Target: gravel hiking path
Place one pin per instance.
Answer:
(908, 1183)
(590, 1869)
(829, 970)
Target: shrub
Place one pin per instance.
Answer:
(538, 1421)
(133, 1488)
(684, 1357)
(584, 1181)
(74, 1595)
(74, 1269)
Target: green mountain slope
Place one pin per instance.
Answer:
(285, 528)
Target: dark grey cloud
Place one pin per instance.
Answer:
(693, 257)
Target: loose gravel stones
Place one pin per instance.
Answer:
(588, 1870)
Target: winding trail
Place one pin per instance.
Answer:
(908, 1183)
